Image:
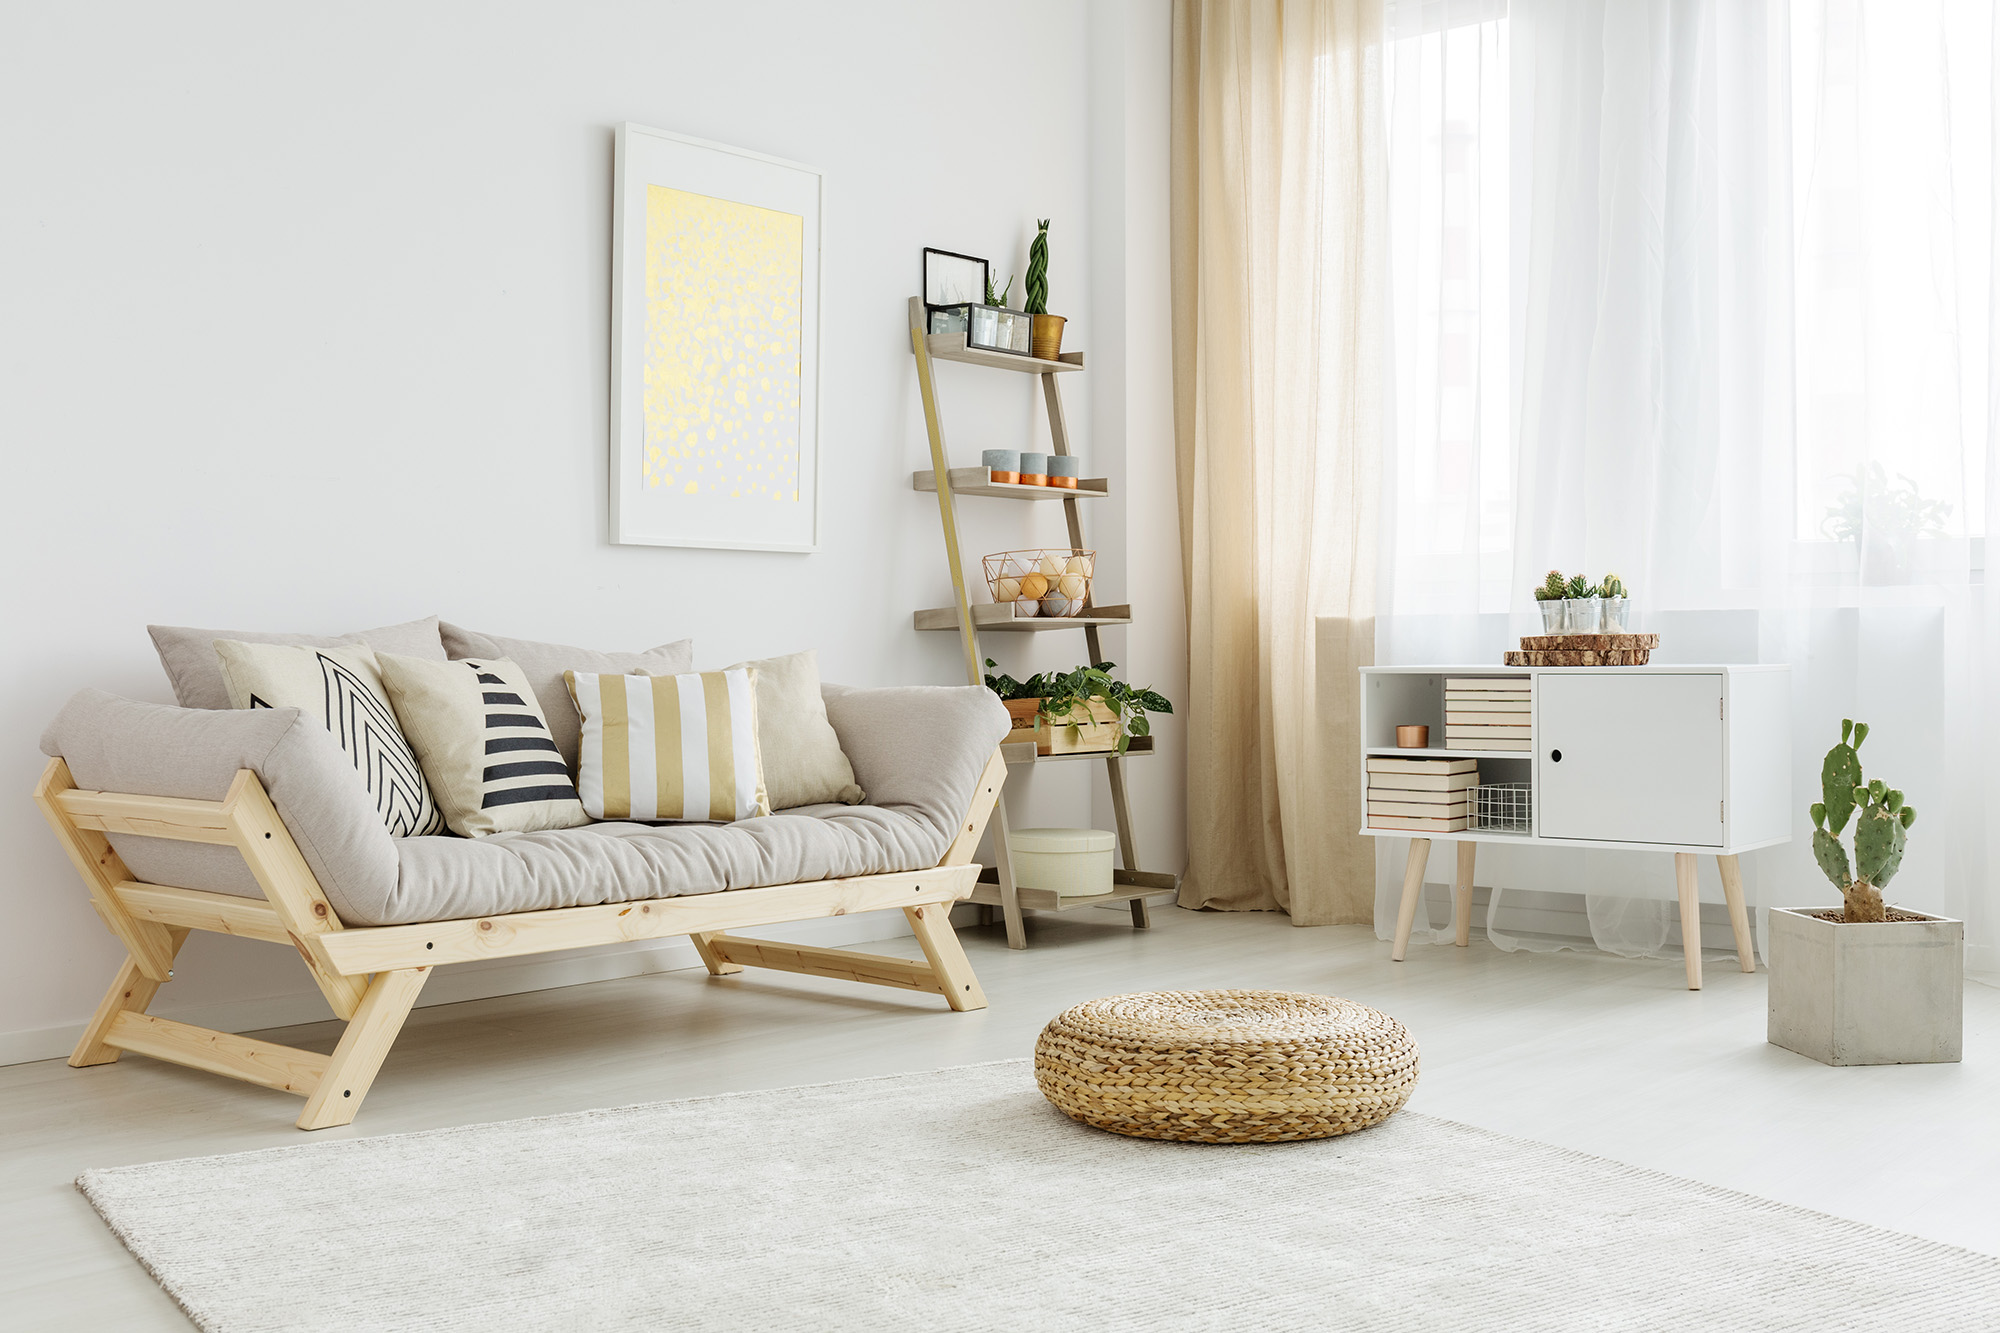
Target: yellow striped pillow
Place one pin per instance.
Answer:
(670, 747)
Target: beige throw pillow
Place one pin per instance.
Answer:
(342, 690)
(803, 761)
(484, 745)
(670, 747)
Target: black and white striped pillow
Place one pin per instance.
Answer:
(484, 745)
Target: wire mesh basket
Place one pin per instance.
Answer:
(1506, 806)
(1048, 581)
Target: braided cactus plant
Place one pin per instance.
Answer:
(1554, 588)
(1038, 271)
(1881, 819)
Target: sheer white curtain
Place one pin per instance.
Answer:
(1744, 333)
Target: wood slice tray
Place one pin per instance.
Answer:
(1562, 657)
(1570, 650)
(1598, 643)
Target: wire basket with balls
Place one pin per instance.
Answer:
(1052, 581)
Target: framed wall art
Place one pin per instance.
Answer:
(715, 323)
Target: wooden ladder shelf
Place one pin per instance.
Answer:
(997, 887)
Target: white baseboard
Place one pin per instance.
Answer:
(470, 981)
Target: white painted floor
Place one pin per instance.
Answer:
(1582, 1050)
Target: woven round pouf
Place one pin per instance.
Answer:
(1226, 1066)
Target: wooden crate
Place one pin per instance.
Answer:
(1096, 736)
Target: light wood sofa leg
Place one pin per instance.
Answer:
(931, 924)
(131, 991)
(717, 965)
(363, 1047)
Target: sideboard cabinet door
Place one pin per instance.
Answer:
(1640, 757)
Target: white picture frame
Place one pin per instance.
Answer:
(677, 476)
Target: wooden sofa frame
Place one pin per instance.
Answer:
(371, 975)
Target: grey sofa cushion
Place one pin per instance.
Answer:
(114, 744)
(545, 663)
(196, 675)
(919, 750)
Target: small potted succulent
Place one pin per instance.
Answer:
(1864, 983)
(1079, 711)
(1583, 609)
(1048, 329)
(1616, 605)
(1549, 598)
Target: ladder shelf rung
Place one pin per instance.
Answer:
(978, 481)
(997, 616)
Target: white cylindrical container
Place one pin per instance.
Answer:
(1074, 862)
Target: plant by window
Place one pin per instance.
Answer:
(1065, 698)
(1898, 513)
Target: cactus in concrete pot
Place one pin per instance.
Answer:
(1882, 820)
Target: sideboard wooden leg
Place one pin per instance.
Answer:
(1461, 893)
(1690, 894)
(1739, 916)
(1413, 891)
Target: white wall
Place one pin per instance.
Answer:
(305, 327)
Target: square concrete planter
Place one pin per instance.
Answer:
(1875, 993)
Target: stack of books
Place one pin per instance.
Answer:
(1421, 795)
(1487, 713)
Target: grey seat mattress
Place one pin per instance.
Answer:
(918, 750)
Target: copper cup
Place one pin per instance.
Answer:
(1413, 738)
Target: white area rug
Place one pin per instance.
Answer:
(960, 1200)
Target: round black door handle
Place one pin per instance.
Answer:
(1555, 756)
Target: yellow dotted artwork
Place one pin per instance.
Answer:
(722, 347)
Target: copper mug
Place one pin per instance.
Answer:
(1413, 738)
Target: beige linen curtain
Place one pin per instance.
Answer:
(1278, 188)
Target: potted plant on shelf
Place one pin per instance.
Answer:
(1864, 983)
(1549, 597)
(1082, 711)
(1048, 329)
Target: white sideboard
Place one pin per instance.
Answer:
(1692, 760)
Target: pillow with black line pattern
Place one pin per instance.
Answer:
(484, 744)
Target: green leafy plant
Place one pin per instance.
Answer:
(1554, 588)
(1066, 695)
(1881, 820)
(1038, 271)
(1001, 298)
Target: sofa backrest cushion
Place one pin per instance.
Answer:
(544, 664)
(114, 744)
(189, 654)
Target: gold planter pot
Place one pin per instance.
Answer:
(1047, 337)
